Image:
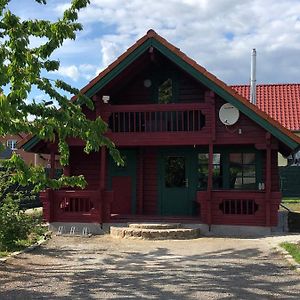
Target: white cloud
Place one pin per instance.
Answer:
(219, 34)
(85, 71)
(69, 71)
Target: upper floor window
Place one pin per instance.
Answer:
(12, 144)
(165, 91)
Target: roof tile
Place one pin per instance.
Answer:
(280, 101)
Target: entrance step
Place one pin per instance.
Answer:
(155, 232)
(155, 225)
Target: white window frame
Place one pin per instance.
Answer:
(12, 144)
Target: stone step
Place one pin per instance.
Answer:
(155, 234)
(155, 225)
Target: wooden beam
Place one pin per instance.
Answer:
(102, 168)
(210, 184)
(268, 178)
(141, 182)
(52, 163)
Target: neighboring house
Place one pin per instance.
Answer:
(195, 150)
(282, 103)
(11, 142)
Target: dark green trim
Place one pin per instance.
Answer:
(31, 143)
(191, 170)
(119, 68)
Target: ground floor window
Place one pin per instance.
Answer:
(232, 169)
(203, 171)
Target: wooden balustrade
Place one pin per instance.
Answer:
(158, 118)
(79, 206)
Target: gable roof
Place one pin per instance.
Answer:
(280, 101)
(152, 39)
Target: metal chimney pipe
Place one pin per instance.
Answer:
(253, 78)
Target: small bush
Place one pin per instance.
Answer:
(15, 225)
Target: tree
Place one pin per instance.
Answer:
(24, 67)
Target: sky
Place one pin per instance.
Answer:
(218, 34)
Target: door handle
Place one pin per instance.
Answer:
(186, 182)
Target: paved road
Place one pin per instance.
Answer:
(104, 268)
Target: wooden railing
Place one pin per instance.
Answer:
(190, 117)
(77, 206)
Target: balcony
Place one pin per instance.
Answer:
(159, 124)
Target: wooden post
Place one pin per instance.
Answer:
(268, 178)
(141, 181)
(52, 163)
(103, 206)
(102, 168)
(66, 170)
(210, 184)
(210, 98)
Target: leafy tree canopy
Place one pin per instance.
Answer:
(24, 67)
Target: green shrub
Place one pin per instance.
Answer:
(15, 225)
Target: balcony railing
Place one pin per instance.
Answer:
(154, 118)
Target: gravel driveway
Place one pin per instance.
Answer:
(105, 268)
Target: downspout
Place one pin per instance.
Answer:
(253, 78)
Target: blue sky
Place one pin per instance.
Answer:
(219, 35)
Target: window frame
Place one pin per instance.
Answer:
(225, 165)
(13, 144)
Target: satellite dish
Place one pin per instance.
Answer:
(228, 114)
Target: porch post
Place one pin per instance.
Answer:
(268, 178)
(50, 193)
(52, 163)
(210, 98)
(66, 170)
(141, 181)
(210, 184)
(104, 207)
(102, 168)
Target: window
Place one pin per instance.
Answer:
(12, 144)
(175, 172)
(165, 92)
(203, 171)
(242, 171)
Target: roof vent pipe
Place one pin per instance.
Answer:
(253, 78)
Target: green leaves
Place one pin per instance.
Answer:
(24, 67)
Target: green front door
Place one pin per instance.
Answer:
(176, 183)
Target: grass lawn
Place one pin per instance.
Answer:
(293, 203)
(293, 249)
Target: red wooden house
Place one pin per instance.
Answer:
(183, 160)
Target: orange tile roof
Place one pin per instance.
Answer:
(280, 101)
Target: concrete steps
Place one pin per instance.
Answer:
(155, 231)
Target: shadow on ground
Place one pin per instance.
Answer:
(159, 273)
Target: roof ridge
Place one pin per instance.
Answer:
(265, 84)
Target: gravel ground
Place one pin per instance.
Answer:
(105, 268)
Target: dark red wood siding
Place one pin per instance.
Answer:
(87, 165)
(150, 182)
